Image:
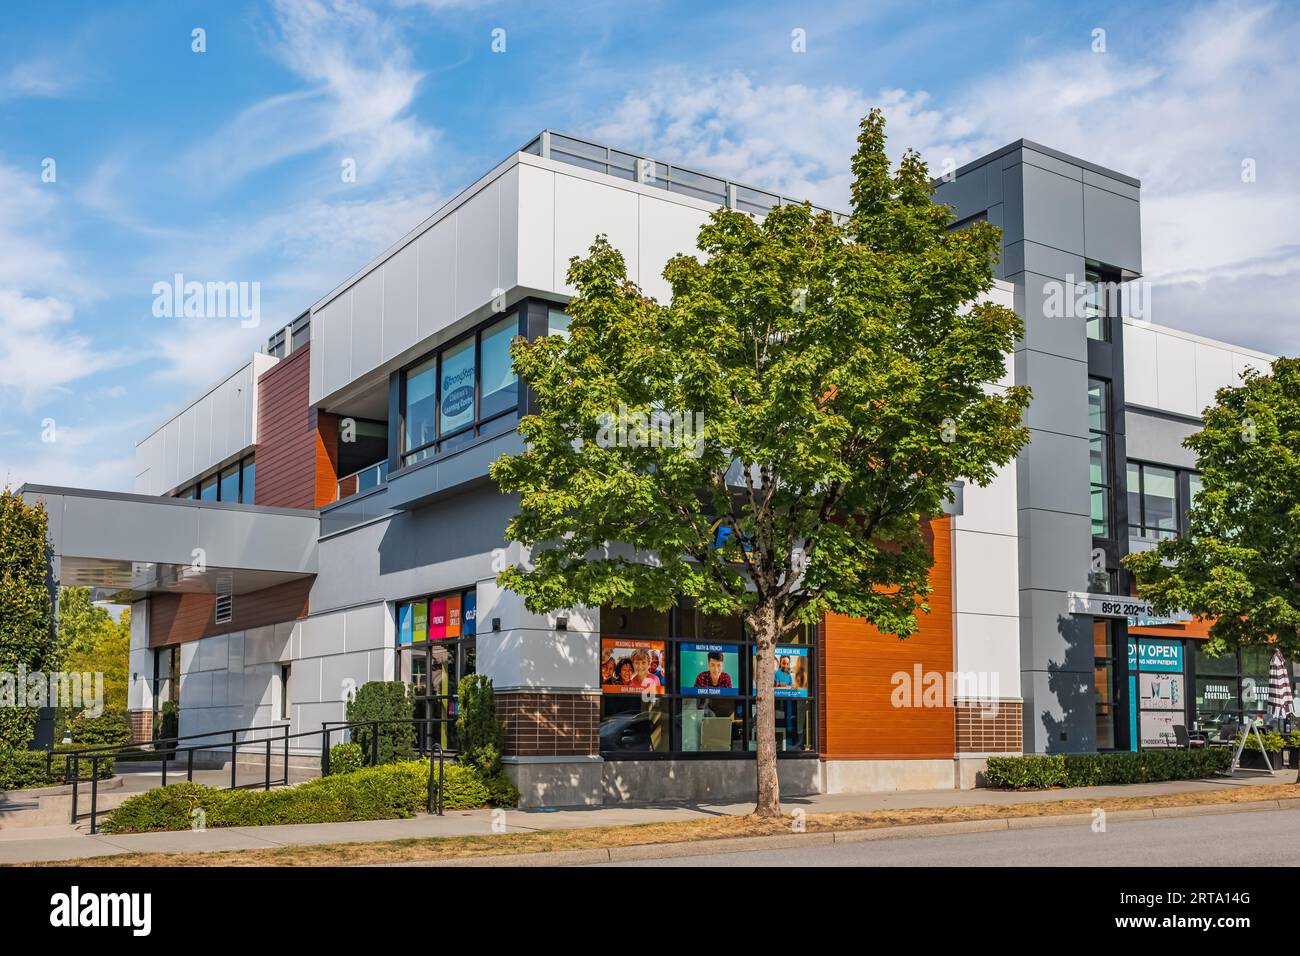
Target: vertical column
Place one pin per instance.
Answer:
(140, 693)
(544, 670)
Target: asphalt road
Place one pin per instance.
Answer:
(1260, 838)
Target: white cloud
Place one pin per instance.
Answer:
(360, 88)
(1180, 113)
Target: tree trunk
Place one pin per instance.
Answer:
(769, 790)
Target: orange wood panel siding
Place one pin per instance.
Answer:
(1198, 628)
(858, 663)
(286, 435)
(176, 618)
(327, 459)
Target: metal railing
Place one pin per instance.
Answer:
(427, 746)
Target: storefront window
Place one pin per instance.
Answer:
(1232, 687)
(1157, 692)
(436, 649)
(683, 682)
(1103, 652)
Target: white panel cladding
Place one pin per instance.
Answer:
(368, 320)
(665, 230)
(1176, 371)
(986, 580)
(222, 424)
(140, 690)
(528, 651)
(478, 249)
(401, 275)
(537, 227)
(585, 209)
(447, 269)
(232, 681)
(435, 306)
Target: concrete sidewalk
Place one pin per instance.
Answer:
(41, 844)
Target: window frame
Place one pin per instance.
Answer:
(1137, 526)
(475, 428)
(674, 636)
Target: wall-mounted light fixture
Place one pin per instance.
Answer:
(496, 623)
(561, 623)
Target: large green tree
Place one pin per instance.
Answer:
(27, 637)
(838, 368)
(1240, 563)
(92, 642)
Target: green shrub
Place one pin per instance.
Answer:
(110, 729)
(482, 737)
(345, 758)
(386, 792)
(384, 700)
(24, 769)
(168, 726)
(1273, 742)
(1038, 771)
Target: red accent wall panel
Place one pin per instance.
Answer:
(286, 434)
(178, 617)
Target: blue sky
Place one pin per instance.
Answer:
(225, 165)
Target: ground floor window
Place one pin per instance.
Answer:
(436, 649)
(1103, 653)
(681, 682)
(1231, 688)
(1157, 693)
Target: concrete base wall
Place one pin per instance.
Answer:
(701, 781)
(877, 776)
(556, 781)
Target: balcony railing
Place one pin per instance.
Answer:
(371, 476)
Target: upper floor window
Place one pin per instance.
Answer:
(1099, 455)
(1101, 303)
(235, 482)
(1159, 498)
(460, 392)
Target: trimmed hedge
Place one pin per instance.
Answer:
(25, 769)
(1041, 772)
(386, 792)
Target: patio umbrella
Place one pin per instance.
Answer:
(1279, 687)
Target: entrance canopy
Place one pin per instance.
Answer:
(126, 546)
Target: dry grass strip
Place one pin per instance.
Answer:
(657, 834)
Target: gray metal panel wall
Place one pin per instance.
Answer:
(1056, 214)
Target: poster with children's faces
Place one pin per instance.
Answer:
(792, 676)
(630, 666)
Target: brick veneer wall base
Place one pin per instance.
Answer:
(981, 729)
(546, 724)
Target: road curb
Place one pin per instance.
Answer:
(665, 851)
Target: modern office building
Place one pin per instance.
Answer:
(323, 516)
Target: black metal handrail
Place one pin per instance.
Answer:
(426, 746)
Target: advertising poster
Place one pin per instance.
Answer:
(710, 670)
(421, 623)
(453, 617)
(1149, 654)
(437, 619)
(404, 621)
(1161, 691)
(793, 675)
(1158, 728)
(469, 614)
(631, 666)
